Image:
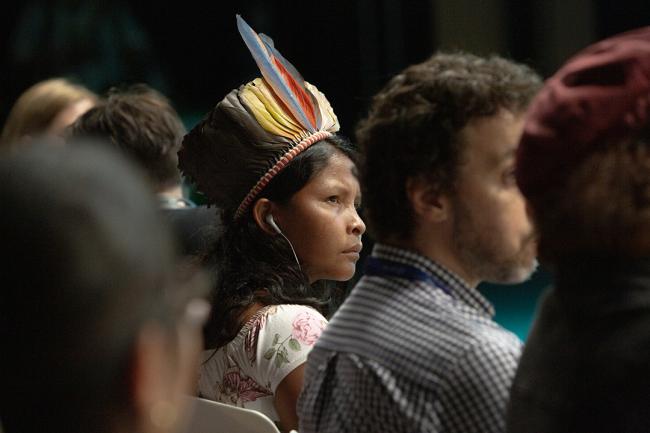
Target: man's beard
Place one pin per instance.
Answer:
(481, 253)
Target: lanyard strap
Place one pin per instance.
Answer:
(377, 267)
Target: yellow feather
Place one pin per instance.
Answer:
(269, 99)
(263, 117)
(329, 121)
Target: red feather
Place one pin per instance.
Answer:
(301, 95)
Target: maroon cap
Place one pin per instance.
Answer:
(601, 93)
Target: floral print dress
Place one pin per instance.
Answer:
(272, 343)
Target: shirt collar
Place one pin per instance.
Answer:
(459, 289)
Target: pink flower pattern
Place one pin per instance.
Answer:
(307, 328)
(238, 388)
(235, 386)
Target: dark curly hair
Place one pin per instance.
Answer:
(254, 266)
(414, 122)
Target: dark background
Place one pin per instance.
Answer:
(192, 52)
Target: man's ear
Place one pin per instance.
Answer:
(427, 200)
(260, 211)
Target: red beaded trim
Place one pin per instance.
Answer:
(277, 168)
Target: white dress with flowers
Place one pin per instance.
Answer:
(272, 343)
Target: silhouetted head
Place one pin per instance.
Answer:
(93, 305)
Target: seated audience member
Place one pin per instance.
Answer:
(142, 123)
(414, 348)
(287, 189)
(46, 108)
(584, 166)
(97, 331)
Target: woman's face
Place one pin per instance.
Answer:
(322, 222)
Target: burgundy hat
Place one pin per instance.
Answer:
(601, 93)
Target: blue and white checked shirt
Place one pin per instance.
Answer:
(406, 356)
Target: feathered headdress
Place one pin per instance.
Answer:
(256, 130)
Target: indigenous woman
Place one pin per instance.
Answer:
(286, 186)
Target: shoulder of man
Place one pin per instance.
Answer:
(477, 386)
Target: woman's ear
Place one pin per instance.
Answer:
(427, 201)
(261, 210)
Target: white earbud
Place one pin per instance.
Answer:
(270, 221)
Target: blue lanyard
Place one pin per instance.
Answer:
(376, 267)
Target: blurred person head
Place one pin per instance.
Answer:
(97, 323)
(142, 123)
(46, 108)
(584, 158)
(438, 152)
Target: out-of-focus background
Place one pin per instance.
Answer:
(192, 52)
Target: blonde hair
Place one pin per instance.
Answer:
(36, 108)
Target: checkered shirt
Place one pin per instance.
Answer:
(406, 356)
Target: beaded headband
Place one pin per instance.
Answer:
(277, 168)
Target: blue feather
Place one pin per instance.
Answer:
(270, 46)
(263, 52)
